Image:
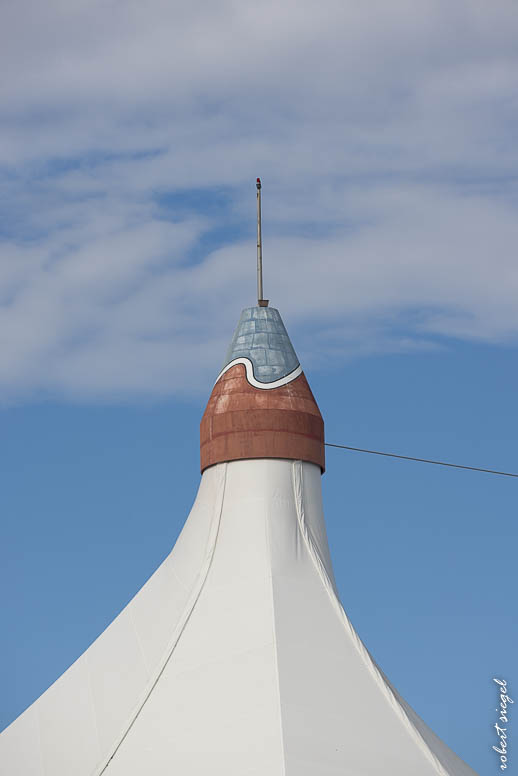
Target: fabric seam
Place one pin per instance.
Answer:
(297, 472)
(274, 628)
(182, 623)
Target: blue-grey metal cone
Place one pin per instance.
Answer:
(260, 336)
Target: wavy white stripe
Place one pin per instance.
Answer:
(250, 375)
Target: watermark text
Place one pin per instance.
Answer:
(503, 719)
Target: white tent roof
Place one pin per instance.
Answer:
(235, 658)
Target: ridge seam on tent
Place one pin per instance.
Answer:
(148, 669)
(275, 651)
(297, 481)
(92, 700)
(40, 747)
(182, 622)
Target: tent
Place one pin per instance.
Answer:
(236, 658)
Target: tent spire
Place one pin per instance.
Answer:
(260, 301)
(236, 656)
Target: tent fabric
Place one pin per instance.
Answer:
(236, 658)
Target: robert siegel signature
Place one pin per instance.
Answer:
(505, 700)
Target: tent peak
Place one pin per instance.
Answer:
(261, 405)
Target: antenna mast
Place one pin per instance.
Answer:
(260, 301)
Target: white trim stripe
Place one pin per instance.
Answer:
(250, 375)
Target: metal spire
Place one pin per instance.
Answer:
(260, 301)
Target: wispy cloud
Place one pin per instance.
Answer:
(132, 133)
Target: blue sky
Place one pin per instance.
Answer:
(130, 139)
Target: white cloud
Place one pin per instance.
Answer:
(131, 137)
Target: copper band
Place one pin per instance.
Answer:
(242, 421)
